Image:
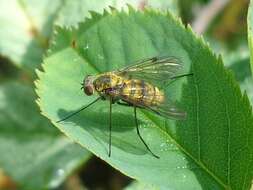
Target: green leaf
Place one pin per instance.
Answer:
(33, 152)
(140, 186)
(74, 12)
(250, 32)
(26, 26)
(239, 63)
(209, 150)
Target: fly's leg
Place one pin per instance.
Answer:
(110, 128)
(124, 104)
(138, 132)
(127, 104)
(173, 79)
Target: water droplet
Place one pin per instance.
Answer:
(162, 145)
(58, 174)
(182, 167)
(86, 47)
(182, 177)
(100, 56)
(167, 146)
(75, 60)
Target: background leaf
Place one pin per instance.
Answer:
(250, 32)
(211, 149)
(37, 151)
(74, 12)
(26, 33)
(239, 63)
(140, 186)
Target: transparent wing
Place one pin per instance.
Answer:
(156, 70)
(168, 110)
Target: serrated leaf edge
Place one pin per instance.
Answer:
(243, 98)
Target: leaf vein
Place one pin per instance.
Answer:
(197, 113)
(201, 164)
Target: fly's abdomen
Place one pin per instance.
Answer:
(141, 93)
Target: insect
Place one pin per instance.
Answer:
(140, 86)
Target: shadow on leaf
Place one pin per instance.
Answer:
(96, 123)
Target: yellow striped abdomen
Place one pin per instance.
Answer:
(140, 92)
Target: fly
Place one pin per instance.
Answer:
(140, 86)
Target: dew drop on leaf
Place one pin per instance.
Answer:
(57, 175)
(86, 47)
(100, 56)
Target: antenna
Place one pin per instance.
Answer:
(81, 109)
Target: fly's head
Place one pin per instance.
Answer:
(88, 86)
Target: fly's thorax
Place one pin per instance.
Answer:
(107, 81)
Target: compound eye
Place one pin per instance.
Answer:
(88, 90)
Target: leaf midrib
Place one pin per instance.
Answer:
(186, 152)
